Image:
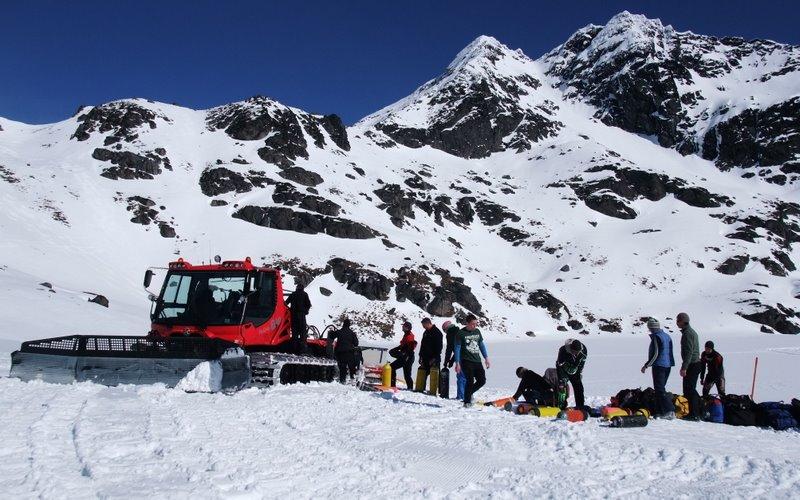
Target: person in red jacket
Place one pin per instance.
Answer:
(711, 370)
(404, 356)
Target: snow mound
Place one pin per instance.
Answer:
(206, 377)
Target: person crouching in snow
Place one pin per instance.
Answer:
(662, 361)
(404, 356)
(451, 330)
(469, 347)
(534, 388)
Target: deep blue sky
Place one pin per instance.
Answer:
(344, 57)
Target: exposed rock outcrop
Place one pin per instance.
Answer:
(544, 299)
(118, 121)
(365, 282)
(303, 222)
(609, 195)
(129, 165)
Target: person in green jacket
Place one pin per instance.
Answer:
(690, 365)
(468, 350)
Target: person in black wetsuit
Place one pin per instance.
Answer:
(430, 355)
(345, 350)
(534, 388)
(300, 304)
(570, 362)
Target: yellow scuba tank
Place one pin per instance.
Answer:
(386, 375)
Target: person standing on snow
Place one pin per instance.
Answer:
(468, 349)
(345, 350)
(299, 304)
(404, 356)
(712, 361)
(570, 362)
(662, 361)
(690, 366)
(451, 330)
(430, 356)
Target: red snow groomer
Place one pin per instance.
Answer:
(231, 313)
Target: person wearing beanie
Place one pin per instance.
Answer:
(345, 350)
(711, 360)
(468, 349)
(569, 363)
(430, 357)
(451, 330)
(534, 388)
(404, 356)
(690, 366)
(661, 360)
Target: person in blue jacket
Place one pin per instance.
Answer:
(661, 361)
(468, 350)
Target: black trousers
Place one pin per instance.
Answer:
(660, 377)
(300, 332)
(405, 362)
(577, 388)
(476, 378)
(690, 389)
(348, 363)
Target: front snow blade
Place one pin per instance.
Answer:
(113, 360)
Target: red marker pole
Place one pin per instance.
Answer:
(753, 388)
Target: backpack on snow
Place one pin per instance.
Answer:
(681, 406)
(635, 399)
(739, 410)
(775, 415)
(715, 412)
(795, 409)
(623, 397)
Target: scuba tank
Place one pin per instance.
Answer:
(575, 415)
(609, 412)
(521, 408)
(546, 411)
(386, 375)
(629, 421)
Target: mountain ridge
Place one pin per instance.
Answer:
(491, 189)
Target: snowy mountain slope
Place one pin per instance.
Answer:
(728, 100)
(490, 189)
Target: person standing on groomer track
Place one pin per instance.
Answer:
(469, 347)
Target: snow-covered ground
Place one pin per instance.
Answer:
(326, 440)
(65, 224)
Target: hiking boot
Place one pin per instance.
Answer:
(668, 416)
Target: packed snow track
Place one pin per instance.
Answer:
(326, 440)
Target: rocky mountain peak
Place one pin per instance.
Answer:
(285, 131)
(690, 92)
(482, 56)
(485, 102)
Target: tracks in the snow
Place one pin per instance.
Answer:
(332, 441)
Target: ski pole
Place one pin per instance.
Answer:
(753, 388)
